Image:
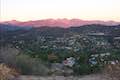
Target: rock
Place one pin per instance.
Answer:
(60, 69)
(68, 71)
(57, 69)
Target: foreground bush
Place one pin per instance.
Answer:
(8, 54)
(7, 73)
(31, 66)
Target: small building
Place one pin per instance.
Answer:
(69, 61)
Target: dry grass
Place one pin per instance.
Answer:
(112, 71)
(7, 73)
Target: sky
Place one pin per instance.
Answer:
(24, 10)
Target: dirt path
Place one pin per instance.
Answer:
(88, 77)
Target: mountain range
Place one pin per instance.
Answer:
(65, 23)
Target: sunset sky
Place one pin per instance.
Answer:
(24, 10)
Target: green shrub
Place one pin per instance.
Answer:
(83, 65)
(82, 69)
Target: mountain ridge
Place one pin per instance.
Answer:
(65, 23)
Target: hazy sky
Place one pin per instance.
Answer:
(42, 9)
